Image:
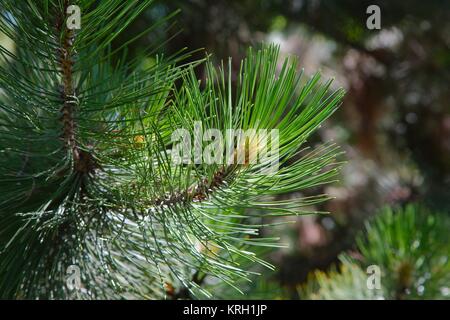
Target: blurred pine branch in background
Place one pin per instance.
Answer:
(411, 248)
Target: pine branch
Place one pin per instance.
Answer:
(398, 242)
(68, 95)
(196, 193)
(71, 105)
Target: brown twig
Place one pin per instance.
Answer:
(83, 161)
(197, 193)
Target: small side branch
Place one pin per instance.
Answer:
(197, 193)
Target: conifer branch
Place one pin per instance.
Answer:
(203, 221)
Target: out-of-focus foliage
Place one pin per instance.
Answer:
(347, 283)
(411, 248)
